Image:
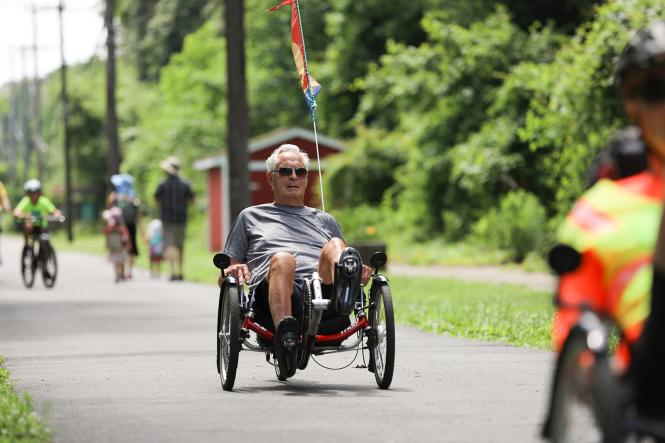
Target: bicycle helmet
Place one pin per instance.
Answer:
(645, 50)
(32, 185)
(625, 155)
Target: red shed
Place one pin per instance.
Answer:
(259, 149)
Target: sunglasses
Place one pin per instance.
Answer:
(286, 172)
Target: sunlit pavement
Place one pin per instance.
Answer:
(135, 362)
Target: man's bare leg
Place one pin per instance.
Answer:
(179, 259)
(170, 255)
(280, 288)
(330, 254)
(280, 285)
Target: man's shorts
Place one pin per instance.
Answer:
(330, 321)
(174, 235)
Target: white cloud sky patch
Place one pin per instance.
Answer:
(84, 35)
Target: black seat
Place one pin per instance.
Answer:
(334, 324)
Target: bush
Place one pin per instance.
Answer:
(362, 223)
(365, 171)
(18, 422)
(517, 226)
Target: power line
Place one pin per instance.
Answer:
(89, 70)
(49, 7)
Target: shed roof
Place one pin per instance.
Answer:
(271, 139)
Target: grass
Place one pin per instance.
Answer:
(495, 312)
(487, 311)
(18, 422)
(439, 252)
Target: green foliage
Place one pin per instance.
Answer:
(492, 108)
(18, 422)
(438, 251)
(574, 107)
(365, 172)
(87, 114)
(187, 116)
(358, 32)
(157, 30)
(517, 225)
(274, 93)
(361, 223)
(449, 105)
(443, 95)
(511, 314)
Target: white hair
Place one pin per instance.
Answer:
(271, 162)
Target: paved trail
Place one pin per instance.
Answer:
(135, 363)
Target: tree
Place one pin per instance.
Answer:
(238, 114)
(113, 156)
(157, 29)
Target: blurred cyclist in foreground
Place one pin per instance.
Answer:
(614, 227)
(34, 209)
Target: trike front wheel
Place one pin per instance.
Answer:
(382, 348)
(228, 336)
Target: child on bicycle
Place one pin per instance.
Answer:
(117, 240)
(614, 224)
(34, 209)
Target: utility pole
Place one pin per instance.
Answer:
(237, 128)
(113, 158)
(12, 126)
(65, 123)
(38, 141)
(25, 117)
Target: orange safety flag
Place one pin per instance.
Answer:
(310, 87)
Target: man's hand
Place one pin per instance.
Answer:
(366, 274)
(240, 271)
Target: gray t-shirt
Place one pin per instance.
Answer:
(263, 230)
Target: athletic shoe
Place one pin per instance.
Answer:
(347, 281)
(285, 341)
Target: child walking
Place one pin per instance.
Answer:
(156, 244)
(117, 240)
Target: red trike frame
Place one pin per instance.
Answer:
(250, 325)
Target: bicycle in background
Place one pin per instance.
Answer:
(38, 253)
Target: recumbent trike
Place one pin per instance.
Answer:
(373, 328)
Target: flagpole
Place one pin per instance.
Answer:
(311, 103)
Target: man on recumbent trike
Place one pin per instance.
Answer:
(274, 247)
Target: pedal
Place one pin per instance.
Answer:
(289, 344)
(350, 266)
(320, 304)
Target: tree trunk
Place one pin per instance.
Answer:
(237, 131)
(113, 154)
(65, 129)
